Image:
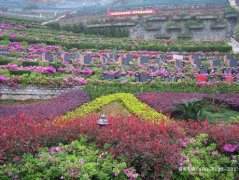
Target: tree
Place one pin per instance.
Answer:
(31, 7)
(237, 33)
(55, 26)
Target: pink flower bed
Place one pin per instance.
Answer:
(10, 26)
(15, 46)
(50, 108)
(43, 48)
(86, 71)
(45, 70)
(164, 102)
(232, 99)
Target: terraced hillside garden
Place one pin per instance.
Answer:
(105, 108)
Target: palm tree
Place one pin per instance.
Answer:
(192, 109)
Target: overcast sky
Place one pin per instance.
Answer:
(58, 1)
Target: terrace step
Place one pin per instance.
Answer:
(235, 45)
(233, 4)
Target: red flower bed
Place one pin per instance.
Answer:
(164, 102)
(153, 149)
(48, 109)
(144, 144)
(232, 99)
(219, 133)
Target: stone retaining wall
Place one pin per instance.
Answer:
(206, 33)
(31, 92)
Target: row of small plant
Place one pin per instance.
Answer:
(173, 150)
(97, 89)
(49, 76)
(157, 102)
(177, 105)
(132, 104)
(91, 42)
(38, 79)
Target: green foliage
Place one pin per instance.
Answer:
(31, 7)
(132, 104)
(55, 64)
(38, 79)
(173, 25)
(5, 43)
(237, 33)
(89, 40)
(187, 110)
(223, 116)
(74, 161)
(191, 23)
(16, 54)
(4, 60)
(236, 118)
(206, 64)
(19, 72)
(55, 26)
(29, 63)
(98, 89)
(230, 10)
(112, 32)
(203, 161)
(4, 72)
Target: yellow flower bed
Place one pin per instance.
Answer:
(131, 103)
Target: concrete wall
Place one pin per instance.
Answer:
(31, 92)
(147, 29)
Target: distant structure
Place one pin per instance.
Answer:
(234, 3)
(45, 1)
(199, 20)
(132, 12)
(170, 1)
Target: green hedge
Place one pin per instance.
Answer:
(19, 72)
(131, 103)
(29, 63)
(4, 61)
(97, 90)
(151, 46)
(56, 65)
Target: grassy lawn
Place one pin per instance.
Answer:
(221, 114)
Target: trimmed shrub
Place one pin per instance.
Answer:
(4, 61)
(192, 109)
(29, 63)
(19, 72)
(131, 103)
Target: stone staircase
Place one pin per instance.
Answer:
(235, 45)
(233, 4)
